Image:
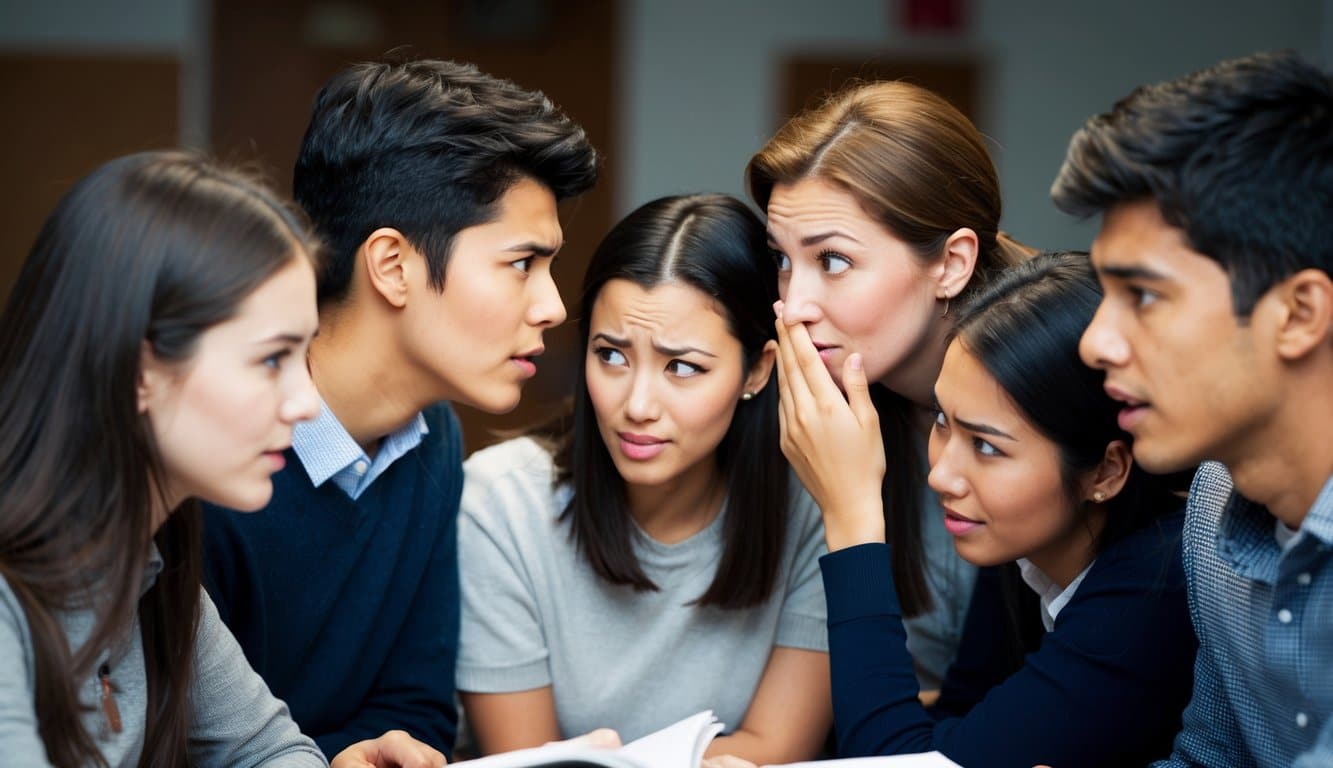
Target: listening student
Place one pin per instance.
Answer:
(1032, 468)
(153, 354)
(883, 212)
(1216, 336)
(656, 558)
(435, 186)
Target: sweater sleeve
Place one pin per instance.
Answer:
(20, 739)
(414, 688)
(1105, 687)
(237, 721)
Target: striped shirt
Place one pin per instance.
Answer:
(328, 451)
(1263, 678)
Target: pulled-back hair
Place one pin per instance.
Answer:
(920, 168)
(1239, 156)
(716, 245)
(150, 250)
(428, 148)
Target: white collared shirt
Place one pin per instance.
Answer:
(1053, 597)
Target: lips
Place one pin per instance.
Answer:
(640, 447)
(958, 525)
(525, 361)
(825, 350)
(1134, 409)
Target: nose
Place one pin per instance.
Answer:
(546, 310)
(1102, 346)
(944, 477)
(802, 297)
(300, 401)
(642, 404)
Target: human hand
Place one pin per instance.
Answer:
(395, 749)
(833, 443)
(726, 761)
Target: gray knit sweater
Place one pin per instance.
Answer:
(236, 721)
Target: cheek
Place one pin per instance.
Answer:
(708, 414)
(602, 392)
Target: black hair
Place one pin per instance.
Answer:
(1239, 156)
(428, 148)
(715, 244)
(1024, 329)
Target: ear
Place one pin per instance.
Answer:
(385, 255)
(762, 369)
(1305, 313)
(1108, 479)
(154, 376)
(956, 264)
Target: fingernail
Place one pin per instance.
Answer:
(855, 360)
(777, 307)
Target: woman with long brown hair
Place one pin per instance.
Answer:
(883, 212)
(153, 354)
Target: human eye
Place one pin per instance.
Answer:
(522, 265)
(1142, 297)
(985, 448)
(610, 356)
(941, 422)
(682, 369)
(274, 361)
(834, 263)
(780, 258)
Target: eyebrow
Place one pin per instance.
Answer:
(810, 240)
(535, 248)
(1130, 272)
(287, 338)
(985, 429)
(661, 349)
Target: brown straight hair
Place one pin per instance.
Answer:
(921, 169)
(149, 250)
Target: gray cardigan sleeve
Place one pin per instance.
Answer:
(237, 721)
(19, 738)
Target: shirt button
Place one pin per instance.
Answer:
(1303, 579)
(1284, 616)
(359, 467)
(1302, 720)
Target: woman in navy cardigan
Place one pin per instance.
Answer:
(1032, 469)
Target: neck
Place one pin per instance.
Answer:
(1284, 463)
(362, 378)
(915, 377)
(679, 508)
(1064, 561)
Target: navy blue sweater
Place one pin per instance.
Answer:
(350, 609)
(1106, 686)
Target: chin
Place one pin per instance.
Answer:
(1159, 459)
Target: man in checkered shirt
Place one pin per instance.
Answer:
(1216, 332)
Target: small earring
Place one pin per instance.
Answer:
(1098, 496)
(947, 299)
(747, 395)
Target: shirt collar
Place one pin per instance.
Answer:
(1053, 597)
(1245, 538)
(326, 448)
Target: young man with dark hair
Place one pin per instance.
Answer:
(1216, 331)
(434, 187)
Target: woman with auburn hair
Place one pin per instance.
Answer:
(883, 212)
(153, 355)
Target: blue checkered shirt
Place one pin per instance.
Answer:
(327, 451)
(1263, 679)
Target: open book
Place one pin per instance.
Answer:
(680, 745)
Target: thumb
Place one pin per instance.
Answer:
(858, 391)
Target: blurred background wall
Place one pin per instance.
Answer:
(677, 93)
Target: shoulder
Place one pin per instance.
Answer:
(1210, 492)
(804, 520)
(1149, 558)
(512, 479)
(11, 612)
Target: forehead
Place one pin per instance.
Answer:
(525, 213)
(671, 311)
(966, 390)
(1135, 235)
(798, 208)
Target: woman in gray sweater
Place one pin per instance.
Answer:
(153, 354)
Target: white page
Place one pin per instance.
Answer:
(680, 745)
(920, 760)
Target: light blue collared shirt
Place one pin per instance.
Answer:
(327, 451)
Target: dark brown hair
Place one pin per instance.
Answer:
(716, 245)
(148, 250)
(921, 169)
